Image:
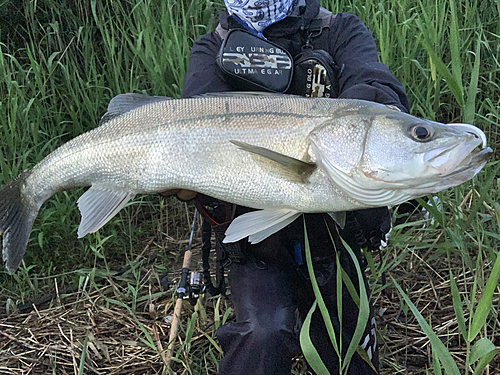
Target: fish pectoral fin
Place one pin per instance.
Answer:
(258, 225)
(301, 168)
(339, 218)
(124, 103)
(98, 205)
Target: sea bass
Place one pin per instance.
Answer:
(280, 154)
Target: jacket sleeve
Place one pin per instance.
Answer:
(361, 75)
(201, 77)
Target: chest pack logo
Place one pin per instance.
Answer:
(251, 63)
(256, 60)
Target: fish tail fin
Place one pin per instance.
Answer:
(17, 214)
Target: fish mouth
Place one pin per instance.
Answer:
(467, 154)
(472, 130)
(475, 160)
(464, 171)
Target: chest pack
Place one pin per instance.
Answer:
(248, 62)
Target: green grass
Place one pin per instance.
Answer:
(61, 62)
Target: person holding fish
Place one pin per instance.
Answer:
(282, 155)
(293, 47)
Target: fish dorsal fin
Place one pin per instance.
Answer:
(124, 103)
(98, 206)
(258, 225)
(301, 168)
(243, 94)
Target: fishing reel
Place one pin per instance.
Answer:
(190, 286)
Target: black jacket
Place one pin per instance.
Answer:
(361, 76)
(347, 40)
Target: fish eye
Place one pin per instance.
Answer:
(421, 132)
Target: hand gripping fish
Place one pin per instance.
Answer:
(280, 154)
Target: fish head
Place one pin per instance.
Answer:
(402, 149)
(379, 152)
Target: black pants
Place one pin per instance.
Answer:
(270, 292)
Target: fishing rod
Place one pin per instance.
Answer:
(190, 287)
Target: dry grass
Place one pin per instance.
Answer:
(97, 323)
(404, 346)
(41, 341)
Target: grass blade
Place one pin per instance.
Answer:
(470, 104)
(484, 305)
(438, 347)
(485, 360)
(364, 309)
(482, 347)
(310, 352)
(458, 306)
(454, 86)
(456, 61)
(81, 367)
(435, 364)
(317, 293)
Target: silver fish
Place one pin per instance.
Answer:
(283, 155)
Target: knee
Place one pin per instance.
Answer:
(251, 348)
(273, 333)
(259, 333)
(266, 333)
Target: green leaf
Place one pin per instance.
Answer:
(436, 365)
(435, 209)
(190, 326)
(148, 340)
(484, 305)
(442, 69)
(482, 347)
(363, 354)
(310, 353)
(350, 287)
(317, 293)
(438, 347)
(364, 309)
(212, 341)
(458, 307)
(485, 360)
(339, 295)
(456, 61)
(470, 104)
(225, 317)
(81, 367)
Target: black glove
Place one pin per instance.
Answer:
(369, 227)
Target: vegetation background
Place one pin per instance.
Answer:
(100, 305)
